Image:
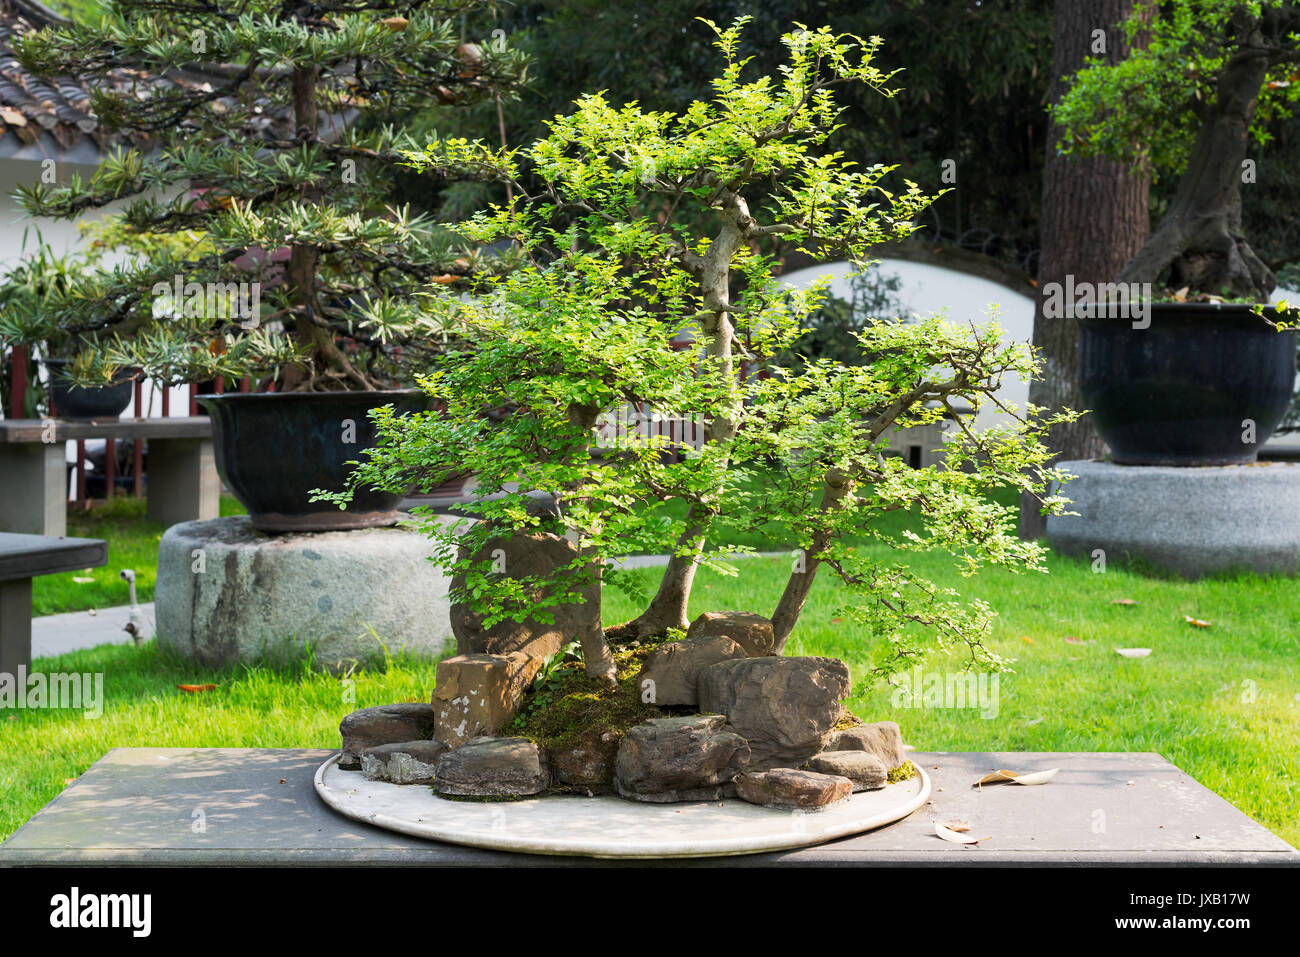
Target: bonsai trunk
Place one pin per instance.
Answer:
(598, 661)
(1199, 242)
(326, 366)
(837, 489)
(668, 609)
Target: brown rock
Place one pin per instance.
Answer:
(751, 632)
(673, 669)
(492, 767)
(679, 759)
(587, 763)
(522, 555)
(386, 724)
(882, 739)
(865, 770)
(479, 694)
(788, 788)
(784, 707)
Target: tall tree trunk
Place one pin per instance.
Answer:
(1094, 218)
(1199, 240)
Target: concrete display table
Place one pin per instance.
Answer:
(22, 558)
(1192, 521)
(166, 807)
(183, 480)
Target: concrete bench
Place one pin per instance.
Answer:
(22, 558)
(183, 480)
(182, 806)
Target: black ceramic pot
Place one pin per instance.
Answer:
(96, 402)
(272, 449)
(1193, 388)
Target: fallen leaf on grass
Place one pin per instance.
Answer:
(1123, 601)
(1015, 777)
(1033, 721)
(1028, 640)
(1133, 652)
(82, 579)
(194, 689)
(950, 835)
(1076, 641)
(1195, 622)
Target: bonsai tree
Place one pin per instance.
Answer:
(1188, 103)
(637, 226)
(270, 163)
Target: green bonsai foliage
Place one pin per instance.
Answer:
(617, 265)
(262, 155)
(1211, 79)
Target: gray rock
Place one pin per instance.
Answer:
(784, 707)
(409, 762)
(788, 788)
(752, 632)
(672, 669)
(1191, 521)
(492, 767)
(227, 592)
(525, 555)
(883, 739)
(679, 759)
(386, 724)
(866, 771)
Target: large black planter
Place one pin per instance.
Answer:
(1185, 390)
(272, 449)
(96, 402)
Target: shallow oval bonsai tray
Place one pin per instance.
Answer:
(611, 827)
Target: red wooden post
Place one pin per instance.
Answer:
(194, 405)
(18, 395)
(166, 399)
(137, 447)
(81, 471)
(219, 385)
(110, 468)
(245, 385)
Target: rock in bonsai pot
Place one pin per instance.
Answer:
(273, 449)
(1204, 384)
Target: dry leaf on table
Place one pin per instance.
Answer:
(1015, 777)
(950, 835)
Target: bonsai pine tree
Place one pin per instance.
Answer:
(1212, 77)
(273, 150)
(637, 226)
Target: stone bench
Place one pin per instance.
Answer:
(183, 806)
(22, 558)
(183, 481)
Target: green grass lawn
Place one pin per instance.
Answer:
(1223, 703)
(132, 543)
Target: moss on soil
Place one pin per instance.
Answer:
(556, 715)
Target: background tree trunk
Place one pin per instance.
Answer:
(1094, 219)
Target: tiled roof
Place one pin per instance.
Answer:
(40, 118)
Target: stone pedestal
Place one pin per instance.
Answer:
(227, 592)
(1192, 521)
